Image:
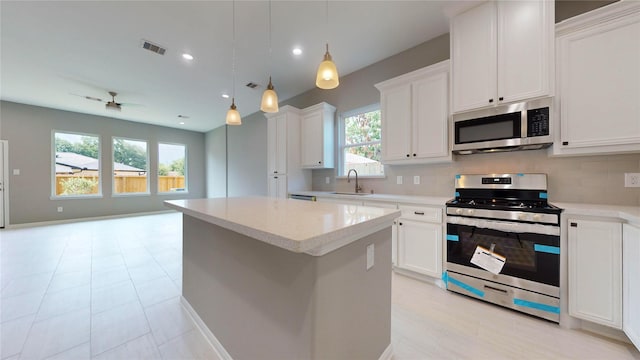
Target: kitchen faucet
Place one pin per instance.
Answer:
(358, 188)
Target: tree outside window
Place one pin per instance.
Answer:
(362, 142)
(76, 164)
(130, 166)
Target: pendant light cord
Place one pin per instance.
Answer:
(326, 13)
(233, 61)
(270, 49)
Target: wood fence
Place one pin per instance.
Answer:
(130, 184)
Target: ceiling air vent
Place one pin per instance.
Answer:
(251, 85)
(153, 47)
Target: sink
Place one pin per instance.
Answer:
(349, 193)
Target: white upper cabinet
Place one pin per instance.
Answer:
(415, 113)
(277, 144)
(317, 136)
(598, 78)
(502, 52)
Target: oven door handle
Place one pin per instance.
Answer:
(506, 226)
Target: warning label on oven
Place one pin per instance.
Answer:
(488, 260)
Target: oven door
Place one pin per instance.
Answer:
(532, 251)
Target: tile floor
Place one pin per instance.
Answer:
(110, 289)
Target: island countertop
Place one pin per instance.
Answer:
(298, 226)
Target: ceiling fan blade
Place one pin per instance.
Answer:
(88, 97)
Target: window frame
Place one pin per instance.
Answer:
(186, 170)
(342, 141)
(55, 196)
(113, 170)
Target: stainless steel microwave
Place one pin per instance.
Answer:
(517, 126)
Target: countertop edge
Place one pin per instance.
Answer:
(405, 199)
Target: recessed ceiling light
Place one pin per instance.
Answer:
(181, 123)
(187, 56)
(297, 51)
(225, 95)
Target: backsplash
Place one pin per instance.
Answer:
(586, 179)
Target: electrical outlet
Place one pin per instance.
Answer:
(370, 255)
(399, 179)
(632, 180)
(60, 208)
(416, 180)
(327, 180)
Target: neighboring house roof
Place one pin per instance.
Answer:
(66, 162)
(357, 159)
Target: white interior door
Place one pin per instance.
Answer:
(3, 182)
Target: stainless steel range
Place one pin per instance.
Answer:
(503, 242)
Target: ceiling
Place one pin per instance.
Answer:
(53, 53)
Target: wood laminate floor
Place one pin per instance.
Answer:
(109, 289)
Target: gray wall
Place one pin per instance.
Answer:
(216, 155)
(247, 156)
(28, 130)
(591, 179)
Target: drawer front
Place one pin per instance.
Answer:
(426, 214)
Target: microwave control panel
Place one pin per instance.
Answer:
(538, 122)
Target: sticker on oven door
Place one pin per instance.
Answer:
(488, 260)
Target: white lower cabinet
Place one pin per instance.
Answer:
(595, 271)
(277, 186)
(339, 201)
(631, 285)
(394, 229)
(419, 238)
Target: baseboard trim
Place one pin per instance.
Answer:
(68, 221)
(387, 354)
(220, 351)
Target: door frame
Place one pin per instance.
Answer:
(4, 144)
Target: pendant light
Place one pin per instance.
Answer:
(327, 76)
(269, 102)
(233, 116)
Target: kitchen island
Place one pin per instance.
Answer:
(287, 279)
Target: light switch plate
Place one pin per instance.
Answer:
(60, 209)
(399, 179)
(16, 171)
(370, 255)
(327, 180)
(416, 180)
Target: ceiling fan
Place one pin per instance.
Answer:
(111, 105)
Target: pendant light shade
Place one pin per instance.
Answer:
(233, 116)
(327, 76)
(269, 102)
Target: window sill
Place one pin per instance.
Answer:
(76, 197)
(118, 195)
(172, 193)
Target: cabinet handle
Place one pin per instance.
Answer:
(408, 155)
(319, 162)
(419, 212)
(414, 154)
(400, 224)
(275, 177)
(574, 224)
(275, 172)
(500, 98)
(565, 143)
(490, 100)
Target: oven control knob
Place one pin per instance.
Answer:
(458, 211)
(537, 217)
(470, 211)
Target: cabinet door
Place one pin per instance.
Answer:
(277, 186)
(473, 56)
(599, 87)
(312, 139)
(394, 237)
(631, 286)
(430, 117)
(396, 122)
(595, 271)
(277, 145)
(420, 247)
(525, 49)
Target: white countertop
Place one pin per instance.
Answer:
(298, 226)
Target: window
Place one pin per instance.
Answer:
(172, 168)
(361, 142)
(130, 166)
(76, 165)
